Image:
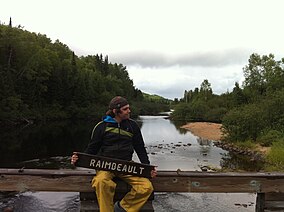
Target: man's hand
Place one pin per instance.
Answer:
(154, 172)
(74, 158)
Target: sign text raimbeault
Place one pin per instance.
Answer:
(115, 165)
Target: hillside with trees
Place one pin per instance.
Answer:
(45, 80)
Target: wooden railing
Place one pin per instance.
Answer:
(264, 184)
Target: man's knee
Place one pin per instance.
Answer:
(149, 187)
(100, 182)
(146, 188)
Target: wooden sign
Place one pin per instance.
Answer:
(114, 165)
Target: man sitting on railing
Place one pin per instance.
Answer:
(118, 136)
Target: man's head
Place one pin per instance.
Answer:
(119, 108)
(117, 103)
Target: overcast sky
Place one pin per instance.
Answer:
(168, 46)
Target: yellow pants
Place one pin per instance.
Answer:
(133, 200)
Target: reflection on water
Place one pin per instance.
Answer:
(170, 148)
(43, 141)
(233, 161)
(58, 162)
(204, 202)
(50, 146)
(42, 202)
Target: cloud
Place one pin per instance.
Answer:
(171, 82)
(169, 75)
(146, 59)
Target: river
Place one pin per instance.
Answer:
(169, 147)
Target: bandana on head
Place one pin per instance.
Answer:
(117, 103)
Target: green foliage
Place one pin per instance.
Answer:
(44, 80)
(237, 96)
(10, 107)
(155, 98)
(261, 121)
(273, 105)
(275, 157)
(148, 108)
(215, 114)
(263, 76)
(244, 123)
(200, 105)
(267, 138)
(248, 144)
(206, 90)
(182, 111)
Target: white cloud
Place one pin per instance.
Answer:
(200, 59)
(171, 82)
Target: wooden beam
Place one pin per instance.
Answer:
(166, 181)
(274, 202)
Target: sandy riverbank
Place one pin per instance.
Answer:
(212, 131)
(207, 130)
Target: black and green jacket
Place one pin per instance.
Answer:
(117, 140)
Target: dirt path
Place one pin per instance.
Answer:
(207, 130)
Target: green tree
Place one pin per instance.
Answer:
(238, 96)
(45, 80)
(244, 123)
(205, 90)
(263, 74)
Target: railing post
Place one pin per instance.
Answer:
(260, 202)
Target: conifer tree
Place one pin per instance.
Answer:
(10, 22)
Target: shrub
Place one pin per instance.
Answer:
(244, 123)
(275, 157)
(267, 138)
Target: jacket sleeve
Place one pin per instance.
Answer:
(96, 139)
(139, 145)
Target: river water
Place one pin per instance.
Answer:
(169, 147)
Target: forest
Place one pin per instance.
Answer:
(43, 80)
